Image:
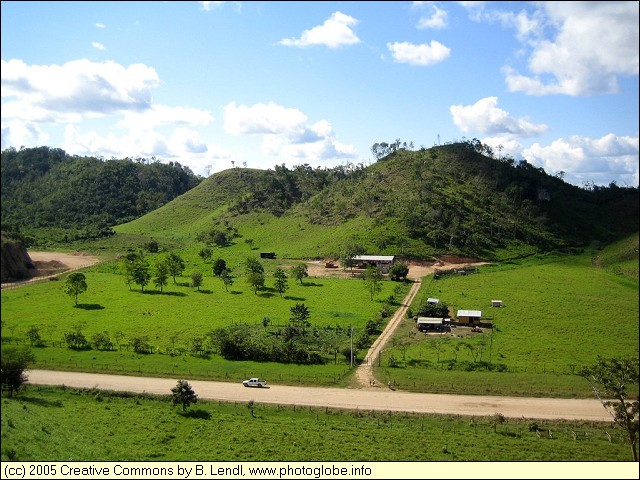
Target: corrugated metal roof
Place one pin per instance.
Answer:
(430, 320)
(469, 313)
(374, 258)
(433, 300)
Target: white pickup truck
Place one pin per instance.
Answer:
(255, 382)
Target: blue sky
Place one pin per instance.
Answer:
(213, 85)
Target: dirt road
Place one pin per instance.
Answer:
(343, 398)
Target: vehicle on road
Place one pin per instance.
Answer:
(255, 382)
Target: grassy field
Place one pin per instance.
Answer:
(559, 313)
(557, 317)
(172, 319)
(43, 425)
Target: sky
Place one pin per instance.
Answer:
(217, 85)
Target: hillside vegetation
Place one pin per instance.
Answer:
(50, 196)
(415, 204)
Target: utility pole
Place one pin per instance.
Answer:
(352, 347)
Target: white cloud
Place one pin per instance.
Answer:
(208, 6)
(585, 159)
(286, 133)
(439, 19)
(593, 44)
(98, 46)
(333, 33)
(79, 86)
(100, 25)
(484, 117)
(421, 55)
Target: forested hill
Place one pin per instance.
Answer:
(454, 198)
(47, 191)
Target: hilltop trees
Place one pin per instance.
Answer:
(75, 284)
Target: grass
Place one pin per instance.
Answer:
(557, 317)
(43, 425)
(171, 320)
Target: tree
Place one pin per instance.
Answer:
(373, 277)
(219, 266)
(281, 284)
(227, 279)
(300, 271)
(162, 275)
(196, 280)
(299, 320)
(14, 362)
(253, 265)
(255, 281)
(175, 264)
(183, 395)
(140, 271)
(75, 284)
(205, 253)
(265, 322)
(609, 379)
(399, 272)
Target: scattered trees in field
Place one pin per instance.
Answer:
(175, 265)
(281, 284)
(300, 272)
(373, 277)
(227, 279)
(162, 275)
(75, 284)
(609, 378)
(14, 362)
(219, 266)
(183, 394)
(196, 280)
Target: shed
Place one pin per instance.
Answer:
(469, 317)
(426, 324)
(496, 303)
(383, 262)
(433, 300)
(267, 254)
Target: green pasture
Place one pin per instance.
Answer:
(171, 319)
(42, 424)
(557, 316)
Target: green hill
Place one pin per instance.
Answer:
(416, 204)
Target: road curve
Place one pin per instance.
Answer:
(343, 398)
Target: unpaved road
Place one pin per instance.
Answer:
(343, 398)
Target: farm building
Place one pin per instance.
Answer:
(496, 303)
(469, 317)
(426, 324)
(383, 262)
(435, 301)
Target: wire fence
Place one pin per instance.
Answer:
(42, 278)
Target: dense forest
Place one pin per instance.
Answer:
(45, 190)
